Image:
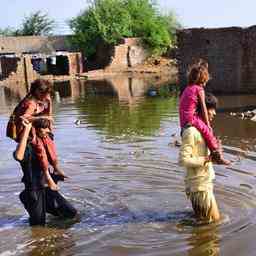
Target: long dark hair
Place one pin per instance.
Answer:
(41, 85)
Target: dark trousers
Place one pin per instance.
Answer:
(39, 202)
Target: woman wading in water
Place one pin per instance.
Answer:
(35, 105)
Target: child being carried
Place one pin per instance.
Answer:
(192, 99)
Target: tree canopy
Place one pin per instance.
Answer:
(36, 24)
(111, 20)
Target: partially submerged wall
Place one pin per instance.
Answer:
(24, 71)
(230, 52)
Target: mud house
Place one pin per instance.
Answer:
(28, 57)
(230, 52)
(129, 52)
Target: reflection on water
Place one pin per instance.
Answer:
(113, 138)
(205, 240)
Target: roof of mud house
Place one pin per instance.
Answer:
(34, 44)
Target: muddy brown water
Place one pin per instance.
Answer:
(116, 141)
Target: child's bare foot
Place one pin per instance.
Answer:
(218, 158)
(53, 187)
(58, 171)
(223, 161)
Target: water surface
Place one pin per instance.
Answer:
(116, 140)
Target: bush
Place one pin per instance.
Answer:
(110, 20)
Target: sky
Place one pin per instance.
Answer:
(196, 13)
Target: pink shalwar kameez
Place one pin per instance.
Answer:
(189, 102)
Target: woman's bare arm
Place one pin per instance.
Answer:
(21, 147)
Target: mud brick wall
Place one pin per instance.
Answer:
(230, 52)
(34, 44)
(20, 69)
(8, 66)
(75, 63)
(128, 53)
(249, 60)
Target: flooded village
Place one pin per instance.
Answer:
(117, 133)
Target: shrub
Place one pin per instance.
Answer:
(111, 20)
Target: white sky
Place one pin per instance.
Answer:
(197, 13)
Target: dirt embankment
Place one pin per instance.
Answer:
(161, 67)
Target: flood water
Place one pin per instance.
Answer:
(116, 140)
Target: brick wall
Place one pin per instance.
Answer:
(230, 52)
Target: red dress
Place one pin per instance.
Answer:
(45, 149)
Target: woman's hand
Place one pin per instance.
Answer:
(26, 123)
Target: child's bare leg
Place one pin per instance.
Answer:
(51, 184)
(58, 170)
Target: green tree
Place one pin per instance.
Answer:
(7, 31)
(173, 24)
(110, 20)
(104, 20)
(36, 24)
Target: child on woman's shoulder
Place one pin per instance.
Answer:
(192, 99)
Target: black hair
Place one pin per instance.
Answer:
(41, 123)
(211, 101)
(40, 85)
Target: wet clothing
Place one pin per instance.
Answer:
(199, 175)
(38, 199)
(39, 202)
(189, 102)
(33, 176)
(202, 203)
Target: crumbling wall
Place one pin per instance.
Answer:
(8, 66)
(249, 60)
(127, 54)
(230, 52)
(24, 71)
(35, 44)
(120, 57)
(75, 63)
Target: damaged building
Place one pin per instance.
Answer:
(230, 52)
(26, 58)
